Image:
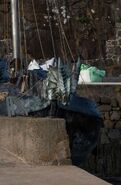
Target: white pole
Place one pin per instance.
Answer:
(15, 29)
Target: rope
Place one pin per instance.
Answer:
(7, 34)
(25, 41)
(51, 31)
(61, 38)
(61, 42)
(4, 33)
(18, 98)
(63, 33)
(38, 32)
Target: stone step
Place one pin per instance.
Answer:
(48, 175)
(14, 171)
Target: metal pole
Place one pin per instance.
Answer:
(15, 31)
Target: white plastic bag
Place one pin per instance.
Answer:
(33, 65)
(47, 64)
(84, 77)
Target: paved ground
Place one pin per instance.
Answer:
(14, 171)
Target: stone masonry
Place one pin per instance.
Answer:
(113, 48)
(105, 160)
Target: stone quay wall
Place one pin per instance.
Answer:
(105, 160)
(113, 48)
(111, 111)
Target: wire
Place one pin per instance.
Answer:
(25, 41)
(63, 32)
(4, 37)
(61, 43)
(38, 32)
(50, 25)
(7, 34)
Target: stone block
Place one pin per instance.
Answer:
(118, 50)
(41, 141)
(114, 102)
(104, 136)
(115, 108)
(109, 61)
(119, 33)
(114, 134)
(119, 100)
(119, 42)
(104, 108)
(119, 59)
(114, 42)
(115, 115)
(108, 124)
(108, 42)
(105, 100)
(118, 125)
(97, 99)
(107, 135)
(107, 116)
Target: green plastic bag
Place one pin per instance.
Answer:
(95, 74)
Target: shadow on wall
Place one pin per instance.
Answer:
(83, 133)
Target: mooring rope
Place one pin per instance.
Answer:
(24, 31)
(63, 33)
(38, 32)
(51, 30)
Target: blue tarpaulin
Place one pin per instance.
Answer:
(82, 105)
(4, 75)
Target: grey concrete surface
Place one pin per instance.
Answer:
(14, 171)
(42, 141)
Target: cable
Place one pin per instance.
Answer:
(36, 22)
(63, 32)
(50, 25)
(25, 41)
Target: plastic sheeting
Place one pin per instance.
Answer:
(47, 64)
(4, 75)
(82, 105)
(90, 74)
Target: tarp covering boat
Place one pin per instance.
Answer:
(82, 105)
(58, 84)
(4, 75)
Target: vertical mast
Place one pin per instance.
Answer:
(15, 31)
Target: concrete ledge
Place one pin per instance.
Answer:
(48, 175)
(41, 141)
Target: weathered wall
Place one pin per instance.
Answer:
(106, 158)
(113, 48)
(91, 24)
(36, 140)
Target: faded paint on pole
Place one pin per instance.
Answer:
(15, 30)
